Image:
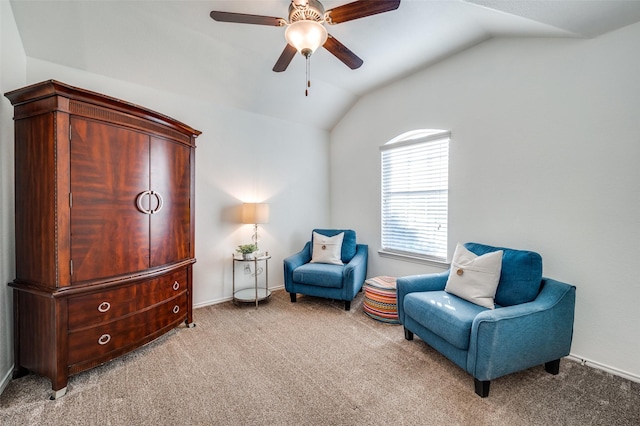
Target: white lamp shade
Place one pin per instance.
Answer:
(255, 213)
(306, 36)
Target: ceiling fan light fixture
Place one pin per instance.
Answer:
(306, 36)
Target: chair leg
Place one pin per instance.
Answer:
(347, 305)
(552, 367)
(293, 297)
(482, 387)
(408, 334)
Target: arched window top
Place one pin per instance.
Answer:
(419, 135)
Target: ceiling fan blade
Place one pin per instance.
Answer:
(243, 18)
(341, 52)
(359, 9)
(285, 58)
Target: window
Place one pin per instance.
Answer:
(415, 186)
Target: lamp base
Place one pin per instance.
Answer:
(254, 237)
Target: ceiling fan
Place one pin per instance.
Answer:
(305, 30)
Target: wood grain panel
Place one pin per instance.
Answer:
(171, 226)
(95, 342)
(63, 209)
(35, 194)
(106, 114)
(173, 311)
(165, 287)
(101, 307)
(109, 169)
(102, 339)
(36, 319)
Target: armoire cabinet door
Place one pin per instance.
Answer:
(170, 178)
(109, 170)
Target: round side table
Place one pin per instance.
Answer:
(256, 293)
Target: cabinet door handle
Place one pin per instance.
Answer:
(104, 339)
(176, 309)
(176, 285)
(104, 307)
(160, 202)
(139, 202)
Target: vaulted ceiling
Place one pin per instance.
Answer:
(175, 45)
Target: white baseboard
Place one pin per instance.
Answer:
(226, 299)
(606, 368)
(211, 302)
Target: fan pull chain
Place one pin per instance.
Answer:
(308, 75)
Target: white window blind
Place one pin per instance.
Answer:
(415, 179)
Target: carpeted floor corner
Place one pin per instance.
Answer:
(310, 363)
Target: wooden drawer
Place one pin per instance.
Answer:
(173, 311)
(98, 341)
(97, 308)
(162, 288)
(101, 307)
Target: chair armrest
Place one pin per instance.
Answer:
(355, 272)
(514, 338)
(294, 261)
(418, 283)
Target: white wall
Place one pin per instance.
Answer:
(12, 75)
(544, 152)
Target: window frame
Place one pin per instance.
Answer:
(421, 138)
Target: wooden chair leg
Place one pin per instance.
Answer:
(552, 367)
(482, 387)
(293, 297)
(408, 334)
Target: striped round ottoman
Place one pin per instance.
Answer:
(380, 302)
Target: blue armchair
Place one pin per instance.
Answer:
(340, 282)
(532, 323)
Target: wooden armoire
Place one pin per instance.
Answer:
(104, 223)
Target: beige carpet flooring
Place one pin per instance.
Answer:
(310, 363)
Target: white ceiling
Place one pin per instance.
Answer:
(175, 45)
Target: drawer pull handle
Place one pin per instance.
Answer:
(176, 285)
(104, 307)
(176, 309)
(104, 339)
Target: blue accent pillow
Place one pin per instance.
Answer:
(521, 275)
(348, 243)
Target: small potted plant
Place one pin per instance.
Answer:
(247, 250)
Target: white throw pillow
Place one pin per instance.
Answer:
(475, 278)
(327, 249)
